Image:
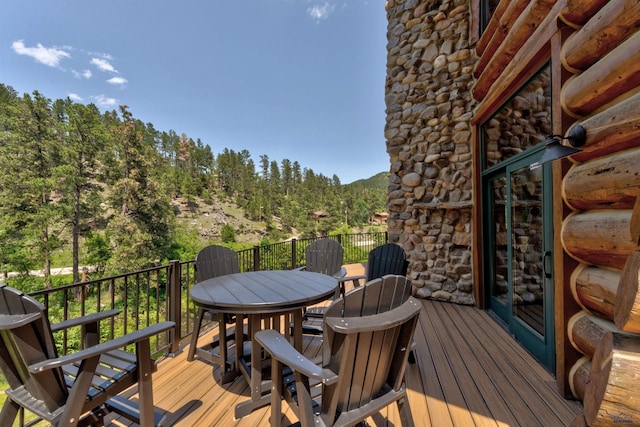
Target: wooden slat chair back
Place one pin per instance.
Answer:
(213, 261)
(324, 256)
(61, 389)
(388, 258)
(367, 338)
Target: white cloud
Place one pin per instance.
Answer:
(84, 74)
(105, 101)
(103, 65)
(320, 11)
(50, 56)
(75, 97)
(117, 80)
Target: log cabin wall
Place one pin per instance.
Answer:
(445, 79)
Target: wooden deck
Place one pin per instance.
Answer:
(483, 379)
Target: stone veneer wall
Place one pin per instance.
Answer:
(428, 136)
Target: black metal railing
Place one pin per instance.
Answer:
(161, 293)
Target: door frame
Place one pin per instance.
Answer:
(543, 347)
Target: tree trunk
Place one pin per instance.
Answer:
(627, 306)
(601, 238)
(595, 288)
(612, 393)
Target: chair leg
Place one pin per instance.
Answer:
(78, 395)
(222, 342)
(145, 390)
(197, 324)
(405, 412)
(276, 393)
(9, 412)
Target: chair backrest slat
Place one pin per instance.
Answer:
(388, 258)
(214, 261)
(324, 256)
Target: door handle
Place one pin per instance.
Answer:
(546, 273)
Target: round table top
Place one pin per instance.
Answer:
(266, 291)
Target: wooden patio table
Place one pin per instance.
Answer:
(260, 294)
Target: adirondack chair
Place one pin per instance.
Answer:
(388, 258)
(366, 342)
(214, 261)
(78, 388)
(322, 256)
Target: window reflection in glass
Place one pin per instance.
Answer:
(522, 123)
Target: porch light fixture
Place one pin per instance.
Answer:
(555, 150)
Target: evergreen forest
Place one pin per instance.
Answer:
(100, 188)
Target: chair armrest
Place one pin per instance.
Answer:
(303, 268)
(84, 320)
(97, 350)
(340, 274)
(354, 279)
(280, 349)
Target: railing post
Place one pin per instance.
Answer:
(175, 301)
(256, 258)
(294, 252)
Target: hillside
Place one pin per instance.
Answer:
(209, 218)
(379, 182)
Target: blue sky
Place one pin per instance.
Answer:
(295, 79)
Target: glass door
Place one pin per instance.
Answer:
(519, 218)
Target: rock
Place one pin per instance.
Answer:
(412, 179)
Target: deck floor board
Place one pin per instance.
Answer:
(469, 372)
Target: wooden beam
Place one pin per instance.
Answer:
(579, 376)
(612, 24)
(611, 182)
(600, 237)
(511, 12)
(577, 12)
(523, 29)
(595, 288)
(533, 55)
(614, 129)
(586, 331)
(635, 222)
(612, 393)
(627, 306)
(491, 28)
(564, 303)
(614, 75)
